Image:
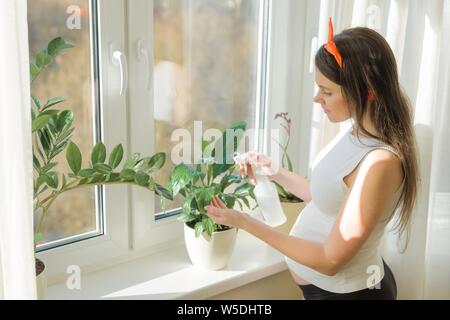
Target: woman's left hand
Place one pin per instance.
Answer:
(220, 214)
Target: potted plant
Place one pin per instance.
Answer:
(52, 131)
(210, 245)
(292, 205)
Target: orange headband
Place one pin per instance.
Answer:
(334, 51)
(331, 46)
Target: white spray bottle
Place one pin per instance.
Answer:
(266, 196)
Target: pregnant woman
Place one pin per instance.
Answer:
(367, 176)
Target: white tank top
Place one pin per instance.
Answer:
(328, 190)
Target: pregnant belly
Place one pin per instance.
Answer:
(311, 225)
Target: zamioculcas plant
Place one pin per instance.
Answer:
(52, 131)
(213, 176)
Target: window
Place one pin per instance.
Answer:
(78, 214)
(205, 68)
(185, 60)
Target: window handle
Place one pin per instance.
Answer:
(122, 61)
(144, 55)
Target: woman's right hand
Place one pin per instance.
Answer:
(261, 162)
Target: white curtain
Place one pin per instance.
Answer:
(418, 31)
(17, 271)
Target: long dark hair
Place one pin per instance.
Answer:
(370, 66)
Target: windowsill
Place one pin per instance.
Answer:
(170, 275)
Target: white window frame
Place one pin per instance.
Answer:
(131, 230)
(114, 242)
(147, 230)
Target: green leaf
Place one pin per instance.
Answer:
(116, 156)
(141, 178)
(204, 196)
(229, 200)
(45, 142)
(33, 114)
(97, 178)
(37, 237)
(198, 229)
(102, 168)
(40, 122)
(54, 101)
(113, 177)
(39, 181)
(243, 189)
(98, 153)
(208, 225)
(245, 200)
(48, 167)
(64, 138)
(36, 163)
(48, 179)
(142, 164)
(228, 143)
(157, 162)
(163, 192)
(287, 163)
(43, 59)
(210, 173)
(73, 156)
(54, 177)
(240, 205)
(189, 217)
(127, 175)
(235, 179)
(50, 113)
(57, 45)
(187, 205)
(131, 161)
(281, 192)
(194, 206)
(86, 173)
(64, 181)
(36, 102)
(151, 184)
(51, 128)
(218, 169)
(83, 181)
(34, 71)
(65, 118)
(181, 176)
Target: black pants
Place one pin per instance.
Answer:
(387, 291)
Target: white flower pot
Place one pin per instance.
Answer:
(210, 253)
(41, 282)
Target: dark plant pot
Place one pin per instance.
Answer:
(41, 278)
(40, 266)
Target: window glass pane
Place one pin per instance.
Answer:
(73, 213)
(205, 68)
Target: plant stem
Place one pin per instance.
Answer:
(47, 202)
(41, 219)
